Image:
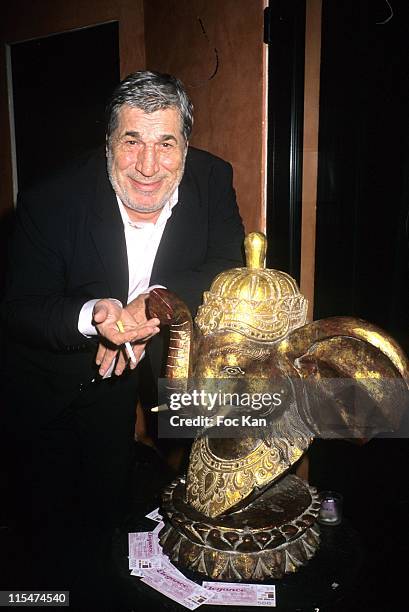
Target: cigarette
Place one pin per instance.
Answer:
(128, 346)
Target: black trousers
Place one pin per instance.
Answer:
(69, 474)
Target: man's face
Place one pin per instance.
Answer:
(146, 158)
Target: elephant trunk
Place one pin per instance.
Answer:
(170, 310)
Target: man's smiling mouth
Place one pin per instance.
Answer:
(146, 187)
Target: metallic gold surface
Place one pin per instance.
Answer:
(255, 247)
(263, 305)
(342, 349)
(180, 339)
(303, 341)
(222, 473)
(214, 485)
(245, 313)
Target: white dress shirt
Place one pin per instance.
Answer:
(142, 243)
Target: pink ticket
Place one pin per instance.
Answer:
(144, 550)
(171, 583)
(236, 594)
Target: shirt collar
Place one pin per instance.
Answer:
(165, 213)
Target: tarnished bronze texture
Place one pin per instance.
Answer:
(342, 354)
(251, 331)
(167, 307)
(273, 535)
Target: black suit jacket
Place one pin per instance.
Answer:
(69, 247)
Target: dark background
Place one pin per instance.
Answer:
(362, 259)
(67, 79)
(361, 255)
(363, 196)
(361, 237)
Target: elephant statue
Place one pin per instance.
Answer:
(239, 514)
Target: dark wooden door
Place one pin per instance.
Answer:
(59, 88)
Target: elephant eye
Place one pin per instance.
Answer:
(232, 370)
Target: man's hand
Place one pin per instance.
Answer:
(137, 330)
(137, 308)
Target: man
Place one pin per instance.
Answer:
(88, 244)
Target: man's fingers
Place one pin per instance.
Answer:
(99, 313)
(106, 311)
(136, 333)
(138, 349)
(108, 358)
(100, 354)
(121, 363)
(144, 339)
(132, 333)
(145, 331)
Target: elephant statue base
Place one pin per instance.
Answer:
(274, 535)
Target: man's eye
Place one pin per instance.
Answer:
(232, 370)
(131, 142)
(166, 145)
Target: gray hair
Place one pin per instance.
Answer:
(150, 91)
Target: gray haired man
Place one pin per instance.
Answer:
(149, 210)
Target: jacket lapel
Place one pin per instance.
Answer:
(108, 235)
(180, 228)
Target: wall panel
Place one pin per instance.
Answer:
(216, 49)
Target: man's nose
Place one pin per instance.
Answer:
(147, 161)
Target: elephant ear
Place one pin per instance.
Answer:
(354, 377)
